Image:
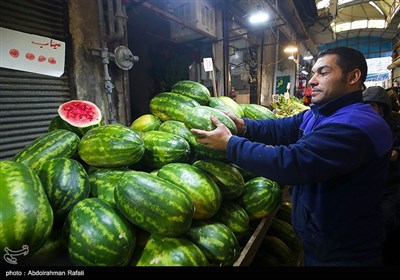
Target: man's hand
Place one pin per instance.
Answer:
(217, 138)
(241, 127)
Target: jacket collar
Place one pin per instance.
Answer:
(337, 103)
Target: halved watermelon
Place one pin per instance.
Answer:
(80, 113)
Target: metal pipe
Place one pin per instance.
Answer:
(116, 20)
(105, 60)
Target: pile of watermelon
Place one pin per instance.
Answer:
(89, 193)
(280, 246)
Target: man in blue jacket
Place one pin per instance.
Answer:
(335, 156)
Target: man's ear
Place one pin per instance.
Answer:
(354, 76)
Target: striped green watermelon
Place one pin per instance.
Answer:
(103, 181)
(112, 145)
(233, 105)
(217, 242)
(146, 122)
(264, 258)
(284, 231)
(96, 235)
(170, 251)
(234, 217)
(227, 177)
(261, 196)
(194, 90)
(162, 148)
(26, 217)
(58, 123)
(154, 204)
(247, 175)
(257, 112)
(52, 251)
(199, 117)
(178, 128)
(65, 182)
(57, 143)
(285, 212)
(171, 106)
(278, 249)
(203, 191)
(217, 103)
(198, 150)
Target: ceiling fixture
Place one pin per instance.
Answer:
(293, 51)
(308, 56)
(290, 49)
(258, 17)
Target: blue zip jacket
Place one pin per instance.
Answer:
(336, 158)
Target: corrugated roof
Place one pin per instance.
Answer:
(346, 11)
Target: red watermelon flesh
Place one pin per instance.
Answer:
(80, 113)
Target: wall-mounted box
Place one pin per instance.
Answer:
(199, 14)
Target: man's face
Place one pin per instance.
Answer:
(328, 81)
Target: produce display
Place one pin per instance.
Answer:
(288, 107)
(141, 195)
(280, 246)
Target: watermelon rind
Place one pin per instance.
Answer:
(26, 216)
(97, 235)
(57, 143)
(113, 145)
(80, 113)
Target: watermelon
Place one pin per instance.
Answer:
(257, 112)
(52, 252)
(170, 251)
(198, 150)
(199, 117)
(247, 175)
(260, 197)
(154, 204)
(96, 235)
(227, 177)
(234, 217)
(80, 113)
(235, 107)
(217, 103)
(146, 122)
(194, 90)
(203, 191)
(58, 123)
(178, 128)
(171, 106)
(26, 217)
(277, 248)
(103, 181)
(264, 258)
(285, 212)
(162, 148)
(65, 182)
(112, 145)
(217, 242)
(284, 231)
(57, 143)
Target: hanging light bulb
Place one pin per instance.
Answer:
(308, 56)
(290, 49)
(258, 17)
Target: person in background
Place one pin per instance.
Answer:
(335, 157)
(394, 98)
(307, 96)
(381, 102)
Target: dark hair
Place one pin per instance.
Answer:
(348, 59)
